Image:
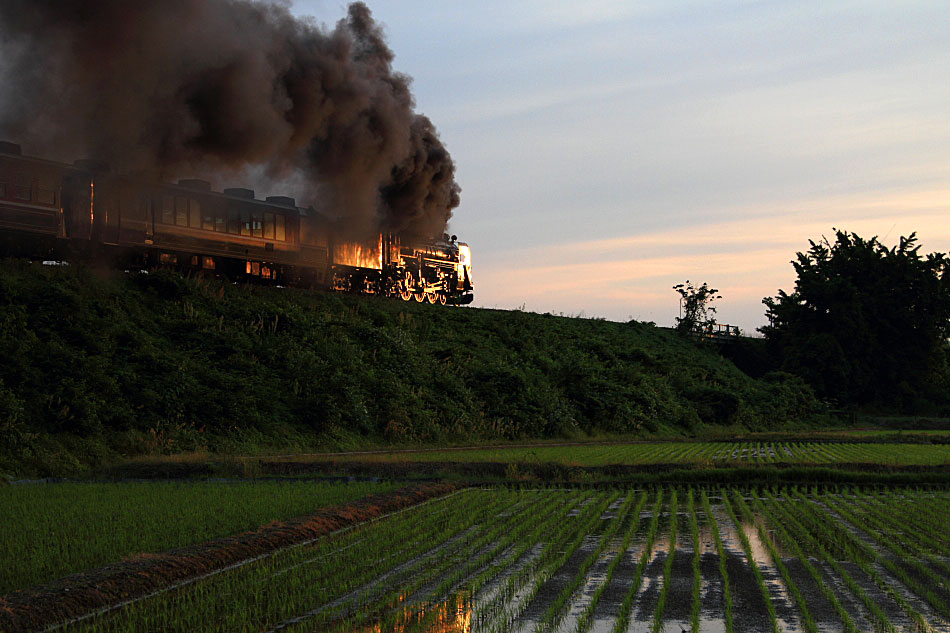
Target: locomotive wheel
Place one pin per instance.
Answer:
(442, 298)
(405, 287)
(431, 298)
(419, 296)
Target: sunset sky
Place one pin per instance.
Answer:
(608, 150)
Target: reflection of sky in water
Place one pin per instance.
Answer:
(465, 614)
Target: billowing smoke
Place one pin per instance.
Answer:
(205, 87)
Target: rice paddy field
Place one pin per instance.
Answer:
(612, 560)
(712, 453)
(50, 530)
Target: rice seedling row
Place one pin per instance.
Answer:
(752, 565)
(831, 534)
(585, 619)
(721, 555)
(697, 576)
(905, 565)
(626, 605)
(566, 561)
(667, 567)
(717, 453)
(895, 524)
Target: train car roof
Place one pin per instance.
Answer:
(191, 186)
(12, 150)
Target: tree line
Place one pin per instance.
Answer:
(865, 326)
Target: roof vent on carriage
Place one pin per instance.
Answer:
(6, 147)
(239, 192)
(194, 183)
(284, 201)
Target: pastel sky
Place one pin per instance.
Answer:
(608, 150)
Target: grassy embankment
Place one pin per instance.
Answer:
(101, 366)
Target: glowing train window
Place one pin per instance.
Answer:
(207, 221)
(268, 226)
(256, 268)
(281, 230)
(246, 223)
(207, 262)
(194, 208)
(220, 223)
(257, 226)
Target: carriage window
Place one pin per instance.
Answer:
(194, 208)
(281, 230)
(168, 210)
(46, 193)
(246, 223)
(257, 226)
(181, 211)
(207, 221)
(268, 226)
(21, 187)
(220, 222)
(234, 222)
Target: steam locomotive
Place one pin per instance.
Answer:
(63, 211)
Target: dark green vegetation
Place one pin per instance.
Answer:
(656, 453)
(98, 366)
(643, 463)
(752, 560)
(867, 326)
(51, 530)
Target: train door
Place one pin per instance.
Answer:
(77, 205)
(108, 211)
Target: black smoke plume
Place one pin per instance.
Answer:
(204, 87)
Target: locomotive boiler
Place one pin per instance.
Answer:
(85, 210)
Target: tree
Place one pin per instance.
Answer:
(866, 324)
(696, 310)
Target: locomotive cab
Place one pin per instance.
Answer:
(465, 272)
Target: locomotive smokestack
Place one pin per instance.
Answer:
(210, 86)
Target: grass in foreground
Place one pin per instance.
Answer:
(52, 530)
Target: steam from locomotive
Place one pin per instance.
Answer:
(229, 87)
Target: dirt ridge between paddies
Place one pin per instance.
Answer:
(44, 606)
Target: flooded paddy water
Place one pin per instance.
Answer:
(605, 561)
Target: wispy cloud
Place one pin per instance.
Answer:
(746, 259)
(608, 149)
